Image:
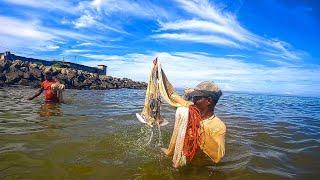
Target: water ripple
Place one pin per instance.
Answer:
(96, 132)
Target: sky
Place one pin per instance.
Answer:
(265, 46)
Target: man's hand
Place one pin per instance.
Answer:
(165, 151)
(155, 61)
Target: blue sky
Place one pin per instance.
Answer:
(264, 46)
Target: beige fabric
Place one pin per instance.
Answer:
(159, 85)
(151, 92)
(58, 89)
(177, 138)
(167, 91)
(212, 138)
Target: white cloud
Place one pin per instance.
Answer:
(187, 69)
(103, 57)
(86, 20)
(205, 26)
(142, 9)
(90, 16)
(208, 19)
(282, 49)
(61, 5)
(208, 39)
(52, 47)
(77, 51)
(21, 29)
(205, 10)
(23, 34)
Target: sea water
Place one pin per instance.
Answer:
(95, 135)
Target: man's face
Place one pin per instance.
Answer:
(202, 102)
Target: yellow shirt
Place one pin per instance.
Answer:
(212, 138)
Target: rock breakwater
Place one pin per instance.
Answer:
(24, 73)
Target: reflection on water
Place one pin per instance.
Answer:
(50, 109)
(95, 135)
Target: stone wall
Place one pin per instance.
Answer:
(25, 73)
(8, 56)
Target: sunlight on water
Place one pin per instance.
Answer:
(95, 135)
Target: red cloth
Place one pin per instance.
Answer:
(48, 93)
(190, 146)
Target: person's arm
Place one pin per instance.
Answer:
(37, 94)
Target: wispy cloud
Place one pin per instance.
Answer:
(206, 26)
(60, 5)
(90, 19)
(76, 51)
(103, 57)
(96, 45)
(208, 39)
(99, 13)
(29, 34)
(210, 21)
(140, 9)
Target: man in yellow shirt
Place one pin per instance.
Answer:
(198, 126)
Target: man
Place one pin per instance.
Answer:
(198, 126)
(49, 87)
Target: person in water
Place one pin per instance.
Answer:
(197, 126)
(49, 86)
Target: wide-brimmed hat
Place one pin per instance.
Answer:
(204, 89)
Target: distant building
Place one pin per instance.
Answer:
(6, 56)
(100, 69)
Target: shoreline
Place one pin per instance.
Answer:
(25, 73)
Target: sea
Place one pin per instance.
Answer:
(95, 135)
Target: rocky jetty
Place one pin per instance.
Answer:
(25, 73)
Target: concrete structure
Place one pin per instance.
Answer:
(101, 69)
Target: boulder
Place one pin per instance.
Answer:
(25, 64)
(87, 82)
(16, 63)
(13, 77)
(2, 77)
(47, 69)
(35, 72)
(42, 67)
(33, 65)
(64, 71)
(24, 69)
(26, 75)
(71, 74)
(24, 82)
(78, 82)
(4, 65)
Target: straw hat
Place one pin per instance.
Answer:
(204, 89)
